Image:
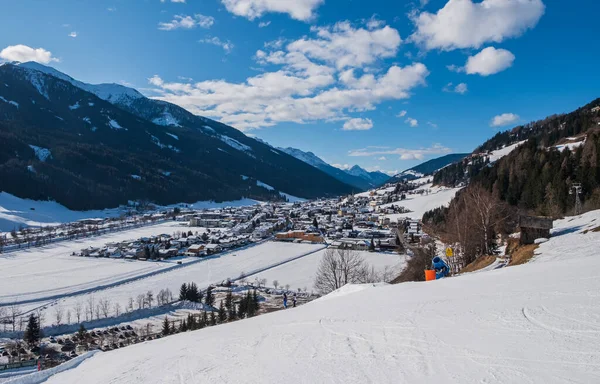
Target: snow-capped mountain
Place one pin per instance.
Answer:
(429, 167)
(100, 135)
(375, 178)
(357, 177)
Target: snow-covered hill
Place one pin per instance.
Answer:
(535, 323)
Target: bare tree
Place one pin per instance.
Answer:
(90, 306)
(105, 307)
(117, 309)
(275, 283)
(58, 313)
(4, 317)
(78, 308)
(340, 267)
(287, 287)
(68, 316)
(14, 311)
(263, 282)
(98, 311)
(130, 304)
(149, 298)
(140, 299)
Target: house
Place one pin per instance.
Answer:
(213, 248)
(196, 250)
(534, 227)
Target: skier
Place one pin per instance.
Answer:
(294, 300)
(284, 300)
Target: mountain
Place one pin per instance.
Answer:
(356, 176)
(97, 146)
(429, 167)
(375, 178)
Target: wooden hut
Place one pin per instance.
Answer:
(534, 227)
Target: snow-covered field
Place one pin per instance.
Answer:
(51, 270)
(301, 273)
(203, 272)
(535, 323)
(419, 204)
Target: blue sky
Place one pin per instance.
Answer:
(380, 83)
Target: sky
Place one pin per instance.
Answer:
(385, 84)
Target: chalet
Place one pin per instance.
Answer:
(213, 248)
(196, 250)
(534, 227)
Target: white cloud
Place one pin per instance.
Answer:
(264, 24)
(468, 24)
(342, 166)
(306, 86)
(23, 53)
(489, 61)
(73, 34)
(382, 158)
(403, 153)
(434, 125)
(187, 22)
(226, 45)
(461, 88)
(377, 168)
(358, 125)
(303, 10)
(402, 114)
(111, 9)
(504, 119)
(412, 122)
(346, 46)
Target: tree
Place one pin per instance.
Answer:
(105, 307)
(213, 318)
(210, 298)
(140, 299)
(255, 301)
(33, 333)
(372, 245)
(183, 292)
(275, 283)
(183, 327)
(315, 223)
(230, 306)
(58, 313)
(338, 268)
(82, 333)
(78, 309)
(166, 327)
(117, 309)
(222, 313)
(149, 298)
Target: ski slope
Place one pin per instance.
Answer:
(535, 323)
(301, 273)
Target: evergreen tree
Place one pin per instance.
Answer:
(213, 318)
(183, 327)
(315, 223)
(166, 327)
(210, 298)
(82, 333)
(222, 313)
(183, 292)
(255, 301)
(33, 333)
(242, 309)
(248, 304)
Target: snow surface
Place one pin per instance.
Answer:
(42, 154)
(571, 146)
(136, 177)
(202, 271)
(13, 103)
(74, 106)
(114, 124)
(290, 198)
(233, 143)
(264, 185)
(172, 135)
(419, 204)
(534, 323)
(166, 119)
(500, 153)
(157, 142)
(301, 273)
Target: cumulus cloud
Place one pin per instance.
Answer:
(504, 119)
(23, 53)
(358, 125)
(382, 158)
(461, 88)
(401, 114)
(468, 24)
(73, 34)
(412, 122)
(403, 153)
(187, 22)
(489, 61)
(226, 45)
(307, 84)
(303, 10)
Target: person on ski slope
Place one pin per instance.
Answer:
(284, 300)
(294, 300)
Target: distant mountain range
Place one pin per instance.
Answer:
(97, 146)
(355, 176)
(428, 167)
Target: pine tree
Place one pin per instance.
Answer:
(183, 292)
(241, 310)
(213, 318)
(315, 223)
(166, 327)
(82, 333)
(255, 301)
(210, 298)
(203, 321)
(249, 305)
(222, 313)
(33, 333)
(183, 327)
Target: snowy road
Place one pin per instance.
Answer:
(535, 323)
